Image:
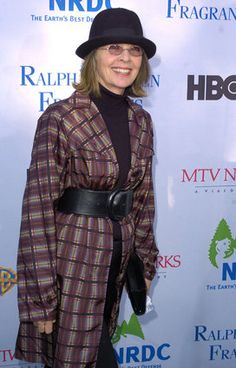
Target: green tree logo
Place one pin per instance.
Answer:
(131, 328)
(222, 245)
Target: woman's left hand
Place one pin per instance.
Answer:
(148, 283)
(44, 326)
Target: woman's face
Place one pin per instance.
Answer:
(117, 72)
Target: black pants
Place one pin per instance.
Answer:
(106, 355)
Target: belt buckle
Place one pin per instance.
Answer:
(113, 206)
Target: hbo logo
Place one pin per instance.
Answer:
(211, 87)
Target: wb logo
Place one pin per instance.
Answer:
(81, 5)
(211, 87)
(7, 280)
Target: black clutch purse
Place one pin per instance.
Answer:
(135, 284)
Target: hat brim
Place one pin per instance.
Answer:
(85, 48)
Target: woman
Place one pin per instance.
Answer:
(88, 202)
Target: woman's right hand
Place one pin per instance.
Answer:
(44, 326)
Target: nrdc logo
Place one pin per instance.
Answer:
(222, 248)
(137, 354)
(80, 5)
(211, 87)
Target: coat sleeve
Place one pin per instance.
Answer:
(36, 262)
(145, 245)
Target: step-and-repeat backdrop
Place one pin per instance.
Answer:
(192, 99)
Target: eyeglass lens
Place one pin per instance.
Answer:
(117, 50)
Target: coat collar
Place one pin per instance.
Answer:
(84, 101)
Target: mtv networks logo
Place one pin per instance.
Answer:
(209, 180)
(165, 263)
(8, 280)
(222, 256)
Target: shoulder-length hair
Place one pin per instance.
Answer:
(89, 82)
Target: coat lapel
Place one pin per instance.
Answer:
(97, 125)
(99, 130)
(103, 139)
(134, 131)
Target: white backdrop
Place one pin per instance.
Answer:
(192, 99)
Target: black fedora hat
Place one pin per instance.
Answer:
(116, 25)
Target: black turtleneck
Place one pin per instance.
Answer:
(114, 110)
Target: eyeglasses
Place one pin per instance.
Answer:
(117, 50)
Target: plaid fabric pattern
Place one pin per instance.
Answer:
(64, 259)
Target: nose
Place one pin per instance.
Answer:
(125, 55)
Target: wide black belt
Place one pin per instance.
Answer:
(115, 204)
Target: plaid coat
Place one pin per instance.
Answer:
(64, 259)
